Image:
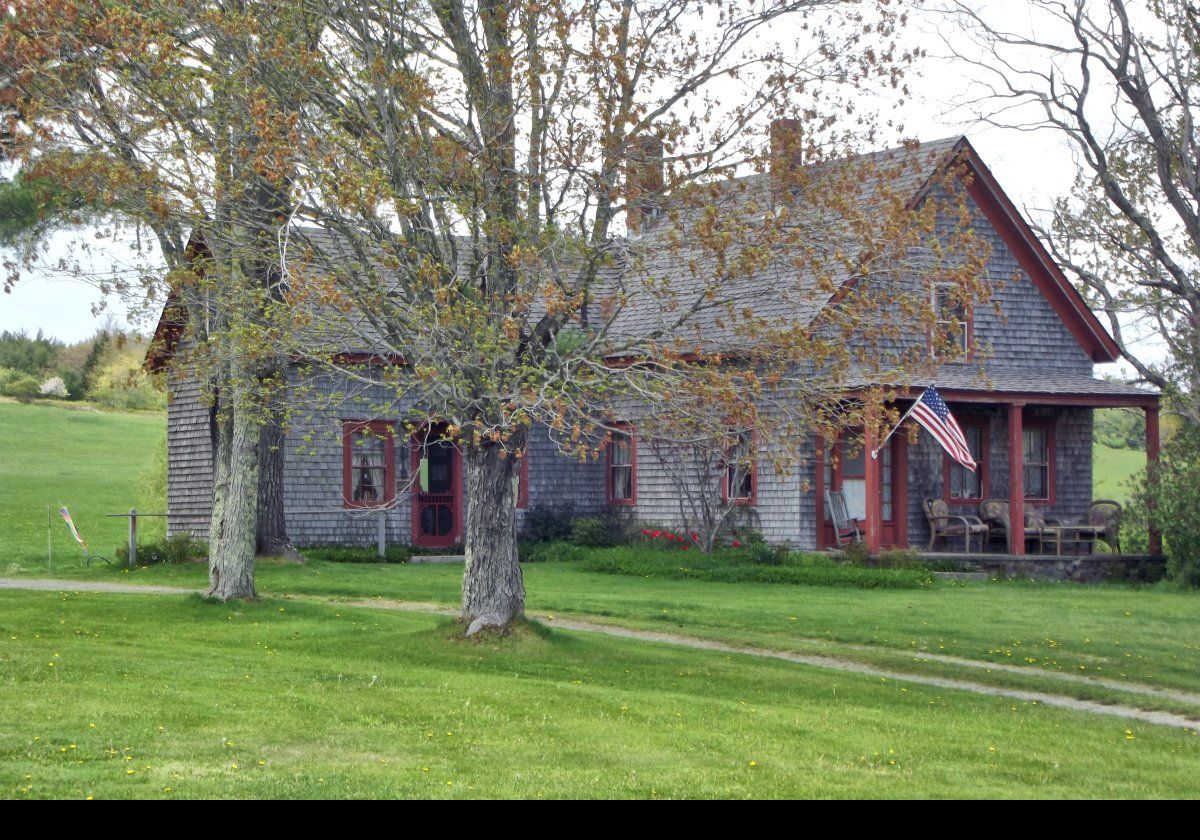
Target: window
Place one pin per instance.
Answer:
(621, 466)
(368, 463)
(952, 331)
(1037, 445)
(962, 485)
(741, 479)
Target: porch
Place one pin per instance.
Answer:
(1031, 436)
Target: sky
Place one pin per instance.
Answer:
(1033, 167)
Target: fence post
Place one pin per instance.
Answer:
(132, 537)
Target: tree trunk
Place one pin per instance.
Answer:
(272, 536)
(493, 589)
(232, 531)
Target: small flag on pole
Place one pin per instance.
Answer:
(66, 515)
(931, 412)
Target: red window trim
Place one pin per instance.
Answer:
(752, 499)
(523, 481)
(386, 429)
(627, 429)
(1051, 471)
(948, 465)
(968, 313)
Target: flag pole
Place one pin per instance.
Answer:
(875, 452)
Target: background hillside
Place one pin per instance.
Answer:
(94, 462)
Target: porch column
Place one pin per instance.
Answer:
(874, 501)
(1016, 479)
(1153, 445)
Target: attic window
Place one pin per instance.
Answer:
(952, 323)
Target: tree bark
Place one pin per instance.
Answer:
(233, 527)
(272, 538)
(493, 588)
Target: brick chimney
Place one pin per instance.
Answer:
(644, 178)
(787, 150)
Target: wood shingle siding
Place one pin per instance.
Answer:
(189, 457)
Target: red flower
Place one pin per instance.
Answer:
(737, 544)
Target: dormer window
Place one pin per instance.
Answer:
(952, 322)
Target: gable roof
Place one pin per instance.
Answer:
(776, 293)
(779, 293)
(1035, 259)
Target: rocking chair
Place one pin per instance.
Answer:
(845, 527)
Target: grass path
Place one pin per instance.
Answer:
(828, 660)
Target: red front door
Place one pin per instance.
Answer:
(845, 469)
(437, 508)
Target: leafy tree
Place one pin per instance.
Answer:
(173, 115)
(477, 164)
(1116, 81)
(1165, 497)
(1120, 428)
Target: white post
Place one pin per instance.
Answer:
(49, 552)
(381, 534)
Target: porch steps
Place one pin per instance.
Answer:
(436, 558)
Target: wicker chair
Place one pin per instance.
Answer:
(995, 513)
(943, 523)
(1105, 516)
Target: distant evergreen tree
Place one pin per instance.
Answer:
(29, 355)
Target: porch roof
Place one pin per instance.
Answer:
(1007, 386)
(971, 384)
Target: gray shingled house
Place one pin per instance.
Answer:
(1027, 416)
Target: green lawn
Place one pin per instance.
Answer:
(1112, 469)
(122, 695)
(167, 696)
(1146, 636)
(88, 460)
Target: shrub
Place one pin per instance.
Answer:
(358, 554)
(900, 558)
(765, 554)
(549, 523)
(23, 388)
(54, 387)
(1168, 495)
(741, 566)
(120, 381)
(557, 552)
(856, 554)
(180, 548)
(614, 526)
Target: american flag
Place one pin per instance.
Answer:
(931, 412)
